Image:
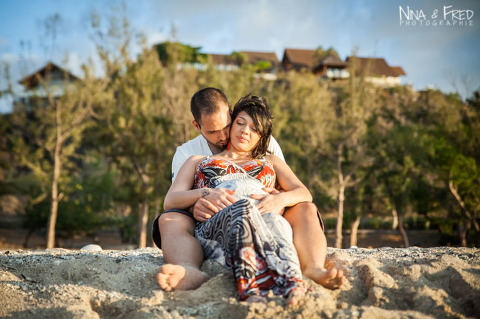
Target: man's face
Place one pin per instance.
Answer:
(215, 127)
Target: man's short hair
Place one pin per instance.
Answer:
(207, 101)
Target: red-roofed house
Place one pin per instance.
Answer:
(376, 71)
(223, 62)
(398, 70)
(297, 59)
(331, 66)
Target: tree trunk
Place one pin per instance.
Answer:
(142, 224)
(462, 232)
(143, 211)
(341, 197)
(354, 231)
(338, 233)
(52, 219)
(395, 219)
(406, 242)
(464, 226)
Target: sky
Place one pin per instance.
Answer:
(437, 46)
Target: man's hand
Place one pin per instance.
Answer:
(213, 200)
(269, 203)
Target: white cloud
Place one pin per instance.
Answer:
(155, 37)
(9, 58)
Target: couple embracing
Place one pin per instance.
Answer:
(235, 200)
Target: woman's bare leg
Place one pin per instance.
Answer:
(311, 245)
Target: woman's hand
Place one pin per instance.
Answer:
(269, 203)
(212, 201)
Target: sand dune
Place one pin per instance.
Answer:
(382, 283)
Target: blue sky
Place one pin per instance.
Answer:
(447, 57)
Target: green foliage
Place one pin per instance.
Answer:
(321, 53)
(388, 150)
(176, 52)
(262, 66)
(238, 58)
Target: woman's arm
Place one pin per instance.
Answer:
(294, 191)
(181, 195)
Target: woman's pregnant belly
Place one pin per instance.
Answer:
(243, 187)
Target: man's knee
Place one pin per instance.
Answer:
(173, 222)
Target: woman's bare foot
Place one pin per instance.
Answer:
(332, 277)
(256, 298)
(293, 298)
(180, 277)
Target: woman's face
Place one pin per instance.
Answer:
(243, 135)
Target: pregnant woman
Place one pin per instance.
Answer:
(249, 237)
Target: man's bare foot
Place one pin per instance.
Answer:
(256, 298)
(180, 277)
(332, 277)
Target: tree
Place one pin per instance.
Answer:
(139, 131)
(171, 53)
(455, 129)
(355, 104)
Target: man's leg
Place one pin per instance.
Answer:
(181, 251)
(311, 244)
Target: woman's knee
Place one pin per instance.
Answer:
(305, 212)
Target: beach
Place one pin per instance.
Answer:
(413, 282)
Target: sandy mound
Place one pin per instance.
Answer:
(383, 283)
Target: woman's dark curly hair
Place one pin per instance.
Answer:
(257, 108)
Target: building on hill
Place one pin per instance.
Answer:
(223, 62)
(331, 67)
(256, 58)
(49, 80)
(376, 71)
(398, 70)
(266, 63)
(298, 59)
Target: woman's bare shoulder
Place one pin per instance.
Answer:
(272, 158)
(195, 160)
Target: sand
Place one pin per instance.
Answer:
(382, 283)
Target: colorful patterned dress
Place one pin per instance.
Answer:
(257, 248)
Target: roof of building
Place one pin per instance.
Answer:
(332, 60)
(220, 59)
(32, 80)
(252, 56)
(255, 56)
(300, 57)
(373, 66)
(398, 70)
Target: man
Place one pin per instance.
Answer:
(181, 250)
